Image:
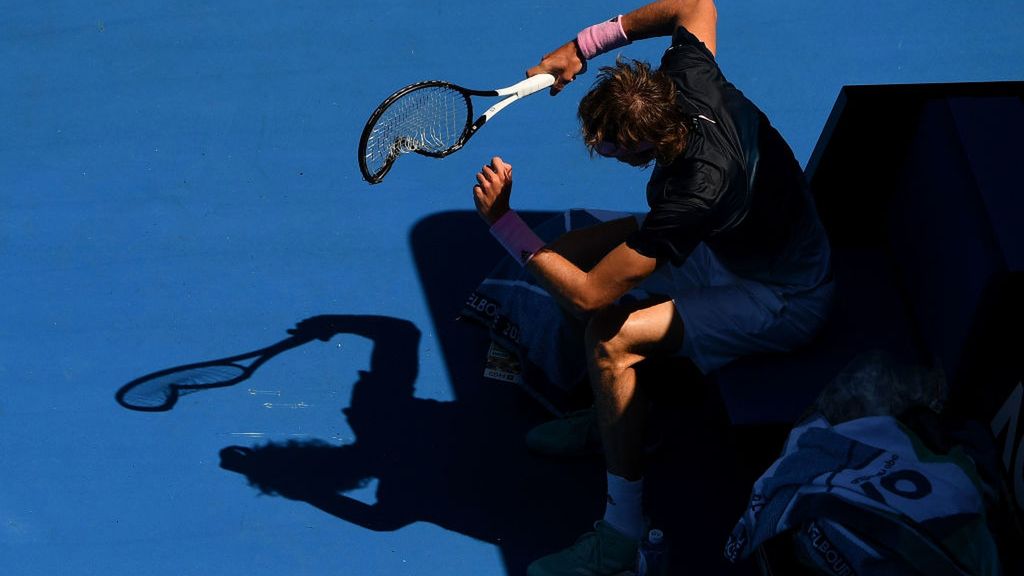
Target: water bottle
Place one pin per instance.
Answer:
(651, 559)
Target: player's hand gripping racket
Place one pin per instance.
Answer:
(431, 118)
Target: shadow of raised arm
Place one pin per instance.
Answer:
(396, 341)
(381, 407)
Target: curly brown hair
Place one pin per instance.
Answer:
(630, 104)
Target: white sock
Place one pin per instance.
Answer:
(624, 510)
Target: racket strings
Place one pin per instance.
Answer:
(428, 120)
(162, 391)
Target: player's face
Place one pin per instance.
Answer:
(640, 155)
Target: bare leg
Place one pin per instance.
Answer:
(617, 339)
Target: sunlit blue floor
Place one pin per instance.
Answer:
(178, 183)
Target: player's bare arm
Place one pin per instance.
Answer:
(583, 292)
(660, 18)
(579, 291)
(585, 247)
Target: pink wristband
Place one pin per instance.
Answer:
(601, 38)
(516, 237)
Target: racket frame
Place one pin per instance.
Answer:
(175, 390)
(514, 92)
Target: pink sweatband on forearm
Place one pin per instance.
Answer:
(516, 237)
(601, 38)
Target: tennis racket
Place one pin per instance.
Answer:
(431, 118)
(159, 391)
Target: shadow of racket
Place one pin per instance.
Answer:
(159, 391)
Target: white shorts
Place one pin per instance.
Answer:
(726, 317)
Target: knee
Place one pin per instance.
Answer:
(608, 341)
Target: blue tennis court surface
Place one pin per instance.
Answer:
(178, 184)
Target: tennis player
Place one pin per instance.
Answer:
(732, 239)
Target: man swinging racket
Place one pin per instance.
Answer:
(731, 224)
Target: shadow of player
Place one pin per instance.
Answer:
(461, 465)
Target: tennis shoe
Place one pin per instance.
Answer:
(603, 552)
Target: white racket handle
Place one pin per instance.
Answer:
(517, 91)
(528, 86)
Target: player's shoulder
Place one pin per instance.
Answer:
(690, 64)
(686, 45)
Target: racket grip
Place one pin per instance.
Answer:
(531, 85)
